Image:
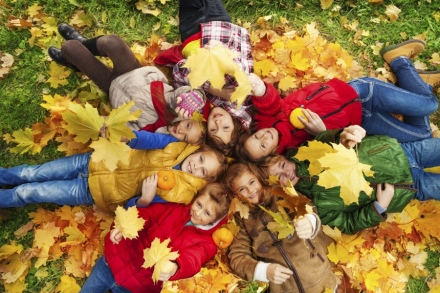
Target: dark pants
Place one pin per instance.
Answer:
(110, 46)
(194, 12)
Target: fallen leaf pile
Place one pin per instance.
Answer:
(71, 235)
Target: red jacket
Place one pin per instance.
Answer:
(335, 101)
(163, 220)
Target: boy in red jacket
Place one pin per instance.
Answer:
(189, 227)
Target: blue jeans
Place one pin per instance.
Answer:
(424, 154)
(413, 98)
(63, 181)
(101, 280)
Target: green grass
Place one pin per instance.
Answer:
(22, 89)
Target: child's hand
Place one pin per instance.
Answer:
(278, 274)
(168, 271)
(188, 103)
(115, 236)
(258, 86)
(149, 186)
(314, 125)
(352, 135)
(384, 194)
(303, 228)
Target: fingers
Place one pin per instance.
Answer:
(178, 100)
(281, 275)
(182, 113)
(303, 228)
(115, 236)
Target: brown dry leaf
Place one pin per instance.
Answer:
(23, 230)
(392, 12)
(238, 206)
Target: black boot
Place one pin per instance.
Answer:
(56, 56)
(69, 33)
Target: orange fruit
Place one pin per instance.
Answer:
(166, 180)
(222, 237)
(293, 118)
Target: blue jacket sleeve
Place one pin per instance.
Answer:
(132, 201)
(146, 140)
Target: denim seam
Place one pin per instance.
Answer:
(403, 129)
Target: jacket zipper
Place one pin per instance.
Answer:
(278, 244)
(323, 88)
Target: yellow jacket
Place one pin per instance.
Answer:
(110, 189)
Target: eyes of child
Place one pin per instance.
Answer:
(202, 159)
(200, 206)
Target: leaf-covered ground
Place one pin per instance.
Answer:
(45, 248)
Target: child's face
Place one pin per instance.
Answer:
(220, 124)
(261, 143)
(285, 170)
(201, 164)
(186, 130)
(203, 210)
(248, 186)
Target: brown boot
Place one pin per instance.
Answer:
(408, 49)
(430, 77)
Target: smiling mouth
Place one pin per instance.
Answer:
(189, 167)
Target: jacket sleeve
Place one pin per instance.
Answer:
(146, 140)
(270, 103)
(329, 136)
(191, 259)
(240, 254)
(349, 219)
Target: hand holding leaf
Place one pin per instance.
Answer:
(159, 255)
(127, 221)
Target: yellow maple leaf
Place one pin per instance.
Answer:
(158, 255)
(34, 10)
(283, 223)
(300, 63)
(212, 65)
(46, 235)
(128, 222)
(110, 153)
(288, 83)
(273, 180)
(312, 152)
(116, 122)
(83, 121)
(67, 285)
(264, 67)
(9, 249)
(24, 140)
(58, 75)
(14, 268)
(344, 169)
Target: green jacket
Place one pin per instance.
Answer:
(390, 164)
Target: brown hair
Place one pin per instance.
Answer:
(243, 155)
(227, 148)
(221, 158)
(263, 167)
(218, 194)
(237, 170)
(202, 138)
